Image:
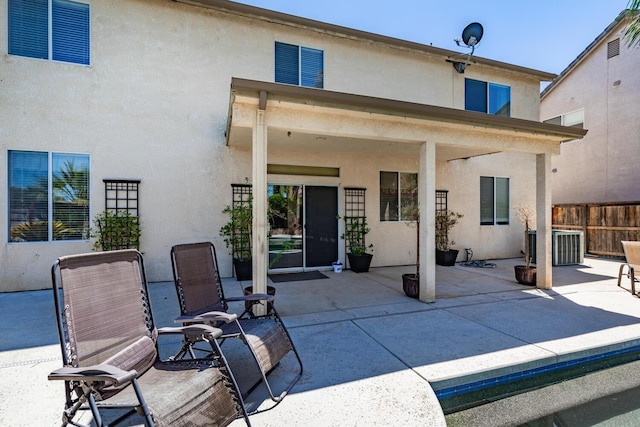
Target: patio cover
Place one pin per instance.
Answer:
(265, 114)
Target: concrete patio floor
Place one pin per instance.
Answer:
(372, 356)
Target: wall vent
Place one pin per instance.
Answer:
(613, 48)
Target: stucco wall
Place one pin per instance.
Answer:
(462, 179)
(602, 167)
(153, 106)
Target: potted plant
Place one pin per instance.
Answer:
(526, 274)
(444, 223)
(116, 230)
(411, 281)
(237, 238)
(356, 229)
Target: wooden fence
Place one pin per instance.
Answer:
(604, 225)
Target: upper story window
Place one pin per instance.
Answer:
(494, 200)
(574, 119)
(48, 196)
(49, 29)
(298, 65)
(398, 194)
(487, 97)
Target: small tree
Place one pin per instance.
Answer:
(526, 215)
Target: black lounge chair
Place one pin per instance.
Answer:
(110, 353)
(202, 300)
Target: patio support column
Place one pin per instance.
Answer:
(259, 224)
(543, 221)
(427, 203)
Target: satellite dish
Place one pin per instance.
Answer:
(471, 36)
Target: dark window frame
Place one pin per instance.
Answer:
(494, 208)
(396, 196)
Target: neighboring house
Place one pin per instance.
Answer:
(599, 91)
(190, 98)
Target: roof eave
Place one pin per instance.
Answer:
(287, 19)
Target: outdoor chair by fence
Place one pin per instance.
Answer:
(632, 255)
(201, 298)
(110, 350)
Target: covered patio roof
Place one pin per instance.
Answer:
(265, 115)
(323, 118)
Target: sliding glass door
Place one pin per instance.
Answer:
(303, 226)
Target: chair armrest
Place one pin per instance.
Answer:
(210, 316)
(96, 373)
(253, 297)
(191, 330)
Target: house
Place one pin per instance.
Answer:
(597, 91)
(162, 106)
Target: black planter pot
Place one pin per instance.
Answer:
(525, 276)
(249, 291)
(244, 269)
(410, 285)
(359, 263)
(446, 258)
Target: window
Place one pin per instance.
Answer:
(574, 119)
(49, 29)
(48, 196)
(494, 200)
(398, 194)
(487, 97)
(299, 65)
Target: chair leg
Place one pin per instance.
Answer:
(633, 280)
(620, 274)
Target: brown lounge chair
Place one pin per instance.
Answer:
(110, 352)
(632, 255)
(201, 298)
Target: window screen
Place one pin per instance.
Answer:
(475, 95)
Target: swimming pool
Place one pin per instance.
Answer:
(608, 397)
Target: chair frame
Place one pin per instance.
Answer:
(84, 385)
(632, 258)
(233, 326)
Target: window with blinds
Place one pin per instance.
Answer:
(486, 97)
(298, 65)
(49, 29)
(494, 200)
(48, 196)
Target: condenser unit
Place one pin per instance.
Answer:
(567, 247)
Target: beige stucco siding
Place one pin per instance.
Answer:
(602, 167)
(154, 103)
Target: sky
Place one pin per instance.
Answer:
(545, 35)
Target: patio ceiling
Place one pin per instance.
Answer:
(305, 119)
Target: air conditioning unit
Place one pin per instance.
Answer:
(567, 247)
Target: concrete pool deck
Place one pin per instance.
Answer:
(372, 356)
